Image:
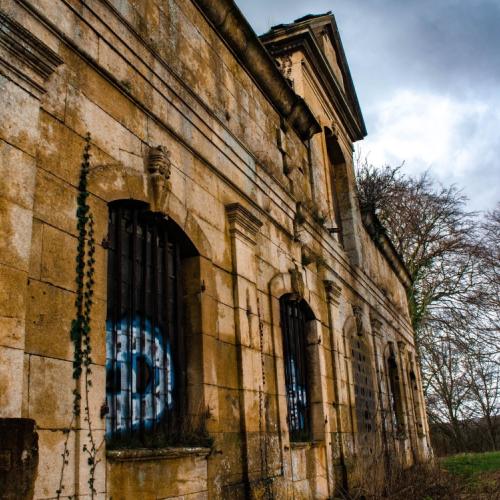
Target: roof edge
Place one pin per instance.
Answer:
(379, 236)
(232, 26)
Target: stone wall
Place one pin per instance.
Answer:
(136, 74)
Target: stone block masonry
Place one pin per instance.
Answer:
(225, 162)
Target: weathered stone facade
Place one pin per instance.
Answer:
(248, 150)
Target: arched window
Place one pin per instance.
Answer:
(145, 360)
(363, 384)
(295, 315)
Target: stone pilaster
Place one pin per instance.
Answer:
(25, 64)
(336, 453)
(382, 415)
(243, 229)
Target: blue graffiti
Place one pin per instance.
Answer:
(297, 399)
(139, 375)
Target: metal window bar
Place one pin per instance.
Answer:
(143, 323)
(293, 324)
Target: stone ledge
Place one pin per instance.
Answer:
(299, 445)
(143, 454)
(24, 58)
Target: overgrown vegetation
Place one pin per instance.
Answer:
(453, 258)
(460, 477)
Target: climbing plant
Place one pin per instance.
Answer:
(81, 324)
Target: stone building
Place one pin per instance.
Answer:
(192, 304)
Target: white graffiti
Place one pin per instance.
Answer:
(139, 375)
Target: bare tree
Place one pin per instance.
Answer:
(483, 381)
(447, 388)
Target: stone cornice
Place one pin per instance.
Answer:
(232, 26)
(242, 222)
(24, 58)
(379, 236)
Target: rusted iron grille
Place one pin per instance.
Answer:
(363, 386)
(293, 325)
(143, 334)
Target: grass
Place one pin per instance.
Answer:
(469, 465)
(478, 474)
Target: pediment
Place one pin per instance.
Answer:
(318, 38)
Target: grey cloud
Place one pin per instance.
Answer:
(446, 42)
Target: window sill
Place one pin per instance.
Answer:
(299, 445)
(148, 454)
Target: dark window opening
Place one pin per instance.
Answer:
(339, 186)
(294, 317)
(363, 385)
(145, 361)
(395, 389)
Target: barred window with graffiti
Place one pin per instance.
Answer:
(294, 317)
(144, 341)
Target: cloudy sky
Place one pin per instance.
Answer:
(427, 75)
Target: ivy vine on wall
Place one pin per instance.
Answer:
(81, 325)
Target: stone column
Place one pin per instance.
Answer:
(25, 64)
(243, 228)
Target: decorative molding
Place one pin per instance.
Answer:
(242, 222)
(401, 347)
(307, 255)
(24, 58)
(358, 316)
(376, 322)
(297, 282)
(299, 221)
(333, 292)
(285, 66)
(159, 168)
